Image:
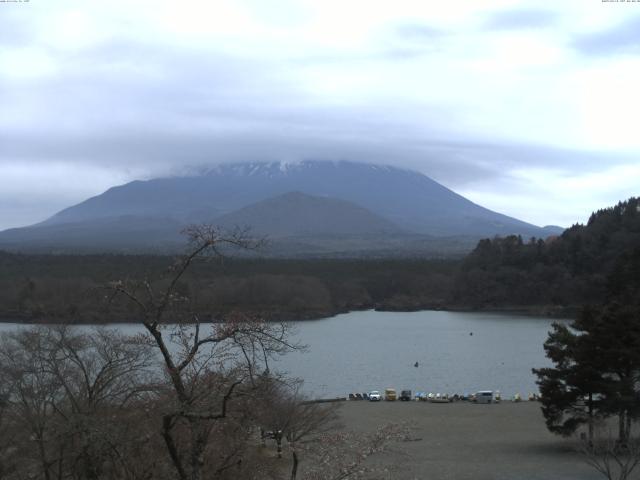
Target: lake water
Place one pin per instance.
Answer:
(456, 352)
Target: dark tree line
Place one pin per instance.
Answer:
(66, 288)
(566, 271)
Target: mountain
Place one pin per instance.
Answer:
(299, 214)
(127, 233)
(344, 197)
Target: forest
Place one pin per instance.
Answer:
(69, 288)
(556, 276)
(575, 269)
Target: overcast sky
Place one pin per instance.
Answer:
(529, 108)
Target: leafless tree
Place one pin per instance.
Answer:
(64, 394)
(613, 459)
(286, 414)
(31, 396)
(209, 366)
(311, 433)
(6, 434)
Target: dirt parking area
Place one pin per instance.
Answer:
(469, 441)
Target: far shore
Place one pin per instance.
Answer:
(530, 311)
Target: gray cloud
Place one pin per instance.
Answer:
(620, 39)
(152, 111)
(519, 19)
(158, 153)
(131, 107)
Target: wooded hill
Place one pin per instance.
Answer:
(580, 267)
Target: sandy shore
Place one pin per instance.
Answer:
(507, 441)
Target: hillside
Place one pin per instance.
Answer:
(127, 233)
(299, 214)
(376, 200)
(585, 265)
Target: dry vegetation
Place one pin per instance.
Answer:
(186, 400)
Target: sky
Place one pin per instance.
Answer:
(528, 108)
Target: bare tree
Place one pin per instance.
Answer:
(6, 433)
(64, 395)
(286, 414)
(313, 433)
(613, 459)
(208, 367)
(31, 396)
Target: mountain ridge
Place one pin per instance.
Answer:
(412, 202)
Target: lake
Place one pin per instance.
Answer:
(457, 352)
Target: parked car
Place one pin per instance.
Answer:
(390, 394)
(375, 396)
(405, 395)
(484, 396)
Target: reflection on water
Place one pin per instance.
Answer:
(456, 352)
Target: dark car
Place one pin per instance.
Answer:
(405, 395)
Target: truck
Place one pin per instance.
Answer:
(484, 396)
(390, 394)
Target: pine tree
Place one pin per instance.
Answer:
(571, 393)
(597, 365)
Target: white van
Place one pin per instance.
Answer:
(484, 396)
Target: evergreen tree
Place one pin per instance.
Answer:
(597, 366)
(571, 392)
(615, 338)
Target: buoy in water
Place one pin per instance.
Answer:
(470, 333)
(415, 364)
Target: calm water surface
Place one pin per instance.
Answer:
(456, 352)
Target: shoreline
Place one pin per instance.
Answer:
(559, 313)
